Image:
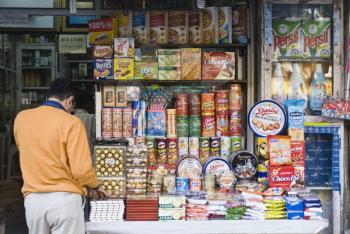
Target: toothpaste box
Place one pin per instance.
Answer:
(103, 69)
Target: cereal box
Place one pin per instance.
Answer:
(239, 24)
(169, 57)
(124, 68)
(121, 96)
(218, 65)
(102, 31)
(287, 38)
(108, 96)
(124, 22)
(195, 31)
(225, 25)
(124, 47)
(103, 69)
(169, 73)
(317, 38)
(178, 27)
(298, 152)
(279, 150)
(286, 177)
(102, 51)
(158, 21)
(211, 25)
(146, 70)
(191, 63)
(140, 27)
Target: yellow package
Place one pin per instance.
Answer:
(261, 148)
(102, 31)
(191, 62)
(124, 68)
(124, 20)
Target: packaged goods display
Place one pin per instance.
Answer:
(140, 27)
(106, 210)
(102, 31)
(124, 47)
(158, 21)
(210, 25)
(178, 27)
(195, 31)
(225, 25)
(218, 65)
(239, 24)
(102, 51)
(124, 22)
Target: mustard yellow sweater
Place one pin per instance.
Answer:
(54, 152)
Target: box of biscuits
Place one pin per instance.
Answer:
(124, 68)
(124, 22)
(218, 65)
(195, 31)
(102, 31)
(158, 22)
(178, 27)
(191, 63)
(225, 25)
(211, 25)
(140, 27)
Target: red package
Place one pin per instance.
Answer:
(279, 150)
(286, 177)
(298, 152)
(218, 65)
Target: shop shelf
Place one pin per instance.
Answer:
(37, 68)
(302, 60)
(35, 88)
(193, 45)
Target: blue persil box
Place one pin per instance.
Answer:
(294, 204)
(293, 215)
(156, 123)
(103, 69)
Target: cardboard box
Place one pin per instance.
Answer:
(297, 152)
(140, 27)
(124, 47)
(172, 214)
(102, 31)
(178, 27)
(191, 63)
(195, 32)
(169, 73)
(158, 21)
(146, 70)
(225, 25)
(124, 68)
(169, 57)
(218, 65)
(124, 22)
(121, 99)
(103, 69)
(211, 25)
(109, 96)
(284, 176)
(170, 201)
(102, 51)
(240, 24)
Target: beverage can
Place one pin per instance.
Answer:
(225, 147)
(235, 123)
(181, 104)
(117, 122)
(208, 126)
(195, 128)
(161, 151)
(196, 184)
(171, 122)
(182, 126)
(221, 102)
(204, 149)
(194, 104)
(182, 184)
(207, 104)
(183, 146)
(214, 143)
(172, 147)
(107, 123)
(235, 144)
(151, 151)
(222, 125)
(235, 97)
(194, 146)
(127, 122)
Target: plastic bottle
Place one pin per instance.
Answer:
(297, 88)
(278, 84)
(318, 90)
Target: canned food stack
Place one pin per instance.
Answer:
(172, 207)
(141, 208)
(109, 166)
(110, 210)
(136, 169)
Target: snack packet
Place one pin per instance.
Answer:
(295, 109)
(279, 150)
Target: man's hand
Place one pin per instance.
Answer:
(97, 193)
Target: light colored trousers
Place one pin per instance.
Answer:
(54, 213)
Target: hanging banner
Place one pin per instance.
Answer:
(72, 44)
(13, 20)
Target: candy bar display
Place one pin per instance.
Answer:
(109, 161)
(110, 210)
(141, 208)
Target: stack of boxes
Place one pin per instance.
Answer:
(294, 207)
(172, 207)
(106, 210)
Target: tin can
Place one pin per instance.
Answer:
(169, 183)
(209, 182)
(194, 146)
(208, 126)
(195, 124)
(173, 152)
(107, 123)
(182, 184)
(222, 125)
(221, 102)
(235, 123)
(181, 104)
(235, 97)
(207, 104)
(182, 126)
(151, 151)
(225, 147)
(161, 151)
(171, 122)
(194, 104)
(204, 149)
(127, 122)
(235, 144)
(214, 146)
(183, 146)
(117, 122)
(195, 184)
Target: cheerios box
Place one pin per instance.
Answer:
(124, 68)
(102, 31)
(103, 69)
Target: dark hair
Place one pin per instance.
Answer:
(61, 89)
(83, 99)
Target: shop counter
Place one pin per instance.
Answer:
(209, 227)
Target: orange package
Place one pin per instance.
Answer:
(279, 150)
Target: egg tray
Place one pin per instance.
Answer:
(109, 161)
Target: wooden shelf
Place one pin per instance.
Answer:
(193, 45)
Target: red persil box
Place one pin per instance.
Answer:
(286, 176)
(103, 69)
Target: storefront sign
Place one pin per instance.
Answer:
(72, 44)
(13, 20)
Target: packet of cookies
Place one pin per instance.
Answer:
(279, 150)
(124, 22)
(295, 109)
(140, 27)
(158, 23)
(178, 27)
(225, 25)
(211, 25)
(195, 32)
